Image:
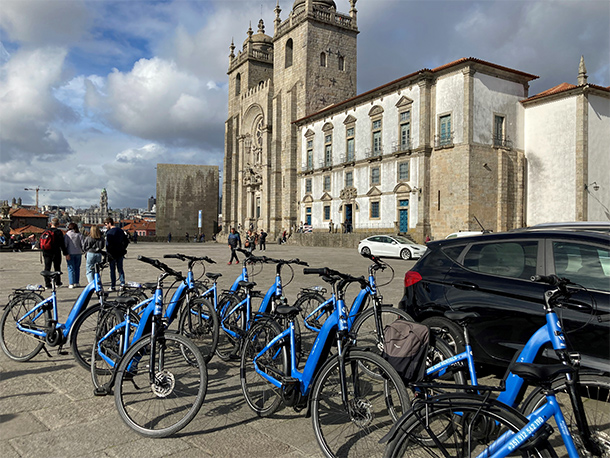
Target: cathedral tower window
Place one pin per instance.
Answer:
(499, 130)
(341, 63)
(288, 60)
(323, 59)
(238, 84)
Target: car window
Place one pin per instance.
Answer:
(583, 264)
(377, 238)
(386, 239)
(506, 259)
(453, 251)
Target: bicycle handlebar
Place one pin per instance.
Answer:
(184, 257)
(330, 273)
(161, 266)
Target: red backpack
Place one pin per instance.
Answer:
(47, 240)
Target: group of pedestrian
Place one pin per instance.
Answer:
(253, 238)
(73, 245)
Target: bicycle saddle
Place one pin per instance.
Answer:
(540, 373)
(49, 274)
(212, 276)
(247, 284)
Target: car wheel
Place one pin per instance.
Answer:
(366, 251)
(405, 254)
(448, 331)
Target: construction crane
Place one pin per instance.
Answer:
(38, 188)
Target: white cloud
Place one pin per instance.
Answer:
(59, 22)
(158, 101)
(28, 109)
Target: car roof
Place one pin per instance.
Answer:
(591, 236)
(601, 226)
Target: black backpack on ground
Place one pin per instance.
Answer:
(406, 348)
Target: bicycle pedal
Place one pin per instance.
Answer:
(62, 352)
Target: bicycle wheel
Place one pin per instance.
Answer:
(308, 302)
(439, 350)
(199, 322)
(365, 331)
(376, 399)
(458, 425)
(19, 345)
(82, 335)
(106, 354)
(167, 405)
(594, 390)
(228, 345)
(261, 396)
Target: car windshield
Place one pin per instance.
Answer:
(401, 239)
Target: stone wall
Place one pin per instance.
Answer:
(183, 190)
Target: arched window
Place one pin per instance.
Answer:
(238, 84)
(341, 63)
(289, 53)
(323, 59)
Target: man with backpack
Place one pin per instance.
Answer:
(52, 246)
(116, 246)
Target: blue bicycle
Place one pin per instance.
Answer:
(353, 397)
(125, 322)
(159, 377)
(30, 323)
(236, 314)
(588, 395)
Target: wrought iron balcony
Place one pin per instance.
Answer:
(443, 141)
(401, 147)
(501, 142)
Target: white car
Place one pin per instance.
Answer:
(464, 234)
(394, 246)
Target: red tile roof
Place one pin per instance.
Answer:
(25, 213)
(27, 230)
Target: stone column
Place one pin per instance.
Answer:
(582, 156)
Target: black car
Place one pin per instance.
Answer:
(491, 274)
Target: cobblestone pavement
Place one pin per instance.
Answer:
(47, 407)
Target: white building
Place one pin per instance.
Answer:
(437, 150)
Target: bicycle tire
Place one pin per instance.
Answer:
(83, 335)
(166, 407)
(381, 401)
(365, 331)
(102, 372)
(261, 396)
(228, 345)
(464, 424)
(595, 392)
(18, 345)
(439, 350)
(199, 322)
(308, 302)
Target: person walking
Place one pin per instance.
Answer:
(93, 247)
(53, 249)
(330, 226)
(250, 241)
(116, 246)
(74, 245)
(169, 237)
(234, 242)
(262, 239)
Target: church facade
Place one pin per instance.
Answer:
(434, 152)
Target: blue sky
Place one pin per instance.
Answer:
(93, 94)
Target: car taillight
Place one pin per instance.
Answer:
(411, 278)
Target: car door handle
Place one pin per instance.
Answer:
(465, 285)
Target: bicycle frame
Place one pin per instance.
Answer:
(508, 442)
(338, 321)
(80, 304)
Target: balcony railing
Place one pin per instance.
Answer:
(443, 141)
(374, 152)
(401, 147)
(501, 142)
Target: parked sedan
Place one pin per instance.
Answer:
(394, 246)
(491, 274)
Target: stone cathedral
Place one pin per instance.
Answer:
(308, 64)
